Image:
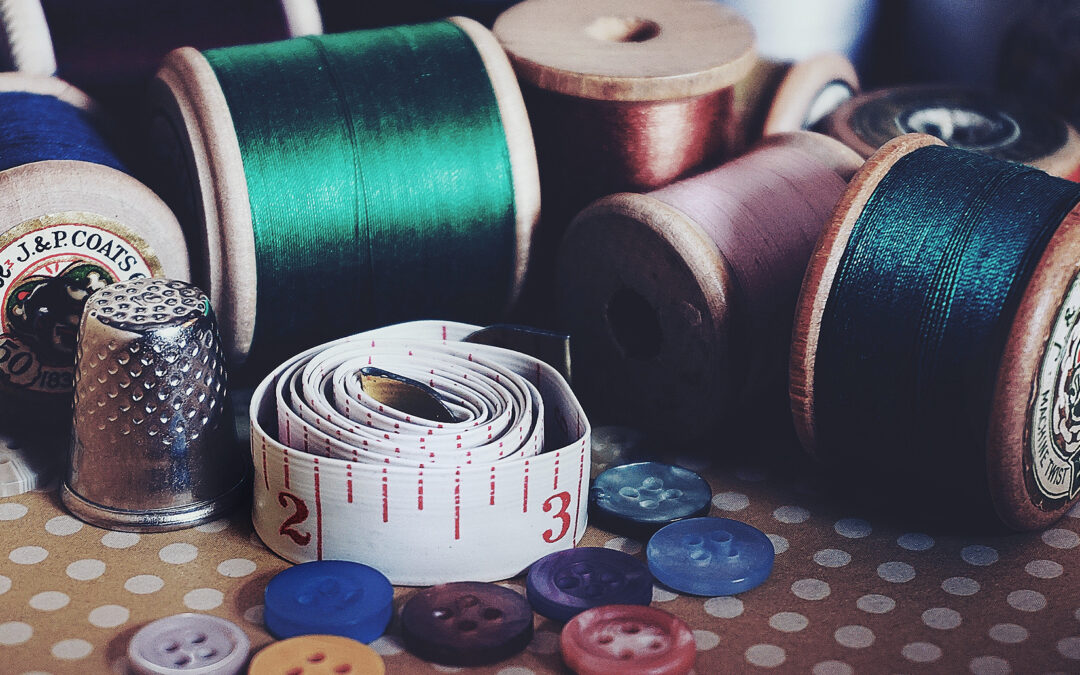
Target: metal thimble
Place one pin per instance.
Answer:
(152, 446)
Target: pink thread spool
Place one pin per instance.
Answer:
(680, 301)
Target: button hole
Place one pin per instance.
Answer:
(317, 657)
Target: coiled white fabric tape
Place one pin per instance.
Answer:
(479, 499)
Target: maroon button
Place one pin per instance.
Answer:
(466, 623)
(628, 639)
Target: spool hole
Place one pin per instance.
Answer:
(633, 325)
(622, 29)
(962, 127)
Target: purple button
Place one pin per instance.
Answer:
(466, 623)
(565, 583)
(185, 643)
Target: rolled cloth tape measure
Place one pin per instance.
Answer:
(71, 222)
(968, 119)
(340, 475)
(937, 335)
(357, 178)
(679, 301)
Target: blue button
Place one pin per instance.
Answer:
(710, 556)
(329, 597)
(564, 583)
(645, 496)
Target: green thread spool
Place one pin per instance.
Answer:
(936, 351)
(334, 183)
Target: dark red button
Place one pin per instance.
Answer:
(629, 640)
(466, 623)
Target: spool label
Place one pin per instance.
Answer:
(1055, 417)
(49, 266)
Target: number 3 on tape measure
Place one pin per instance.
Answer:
(298, 516)
(550, 536)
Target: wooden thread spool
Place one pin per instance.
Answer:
(1041, 343)
(195, 137)
(967, 119)
(68, 228)
(673, 317)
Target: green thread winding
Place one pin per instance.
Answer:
(379, 179)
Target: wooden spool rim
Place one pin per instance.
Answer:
(26, 36)
(698, 48)
(821, 272)
(231, 277)
(46, 85)
(801, 87)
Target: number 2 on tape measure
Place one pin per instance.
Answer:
(550, 536)
(299, 516)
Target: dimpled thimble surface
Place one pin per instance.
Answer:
(151, 444)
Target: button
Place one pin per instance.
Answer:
(329, 597)
(183, 643)
(466, 623)
(710, 556)
(643, 497)
(628, 640)
(563, 583)
(317, 655)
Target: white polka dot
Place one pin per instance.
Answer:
(855, 637)
(85, 570)
(941, 618)
(236, 567)
(724, 607)
(979, 555)
(730, 501)
(1027, 601)
(779, 544)
(544, 642)
(751, 475)
(516, 670)
(178, 553)
(788, 622)
(49, 601)
(5, 584)
(791, 514)
(203, 598)
(1009, 633)
(28, 555)
(628, 546)
(706, 640)
(387, 645)
(1044, 569)
(255, 614)
(1069, 648)
(811, 589)
(896, 572)
(144, 584)
(12, 511)
(15, 633)
(876, 604)
(214, 527)
(989, 665)
(831, 557)
(960, 586)
(853, 528)
(1059, 538)
(63, 526)
(832, 668)
(119, 539)
(921, 652)
(662, 595)
(915, 541)
(70, 650)
(765, 656)
(108, 616)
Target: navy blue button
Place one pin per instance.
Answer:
(643, 497)
(710, 556)
(564, 583)
(329, 597)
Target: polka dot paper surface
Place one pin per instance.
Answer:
(847, 593)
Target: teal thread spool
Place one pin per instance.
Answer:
(335, 183)
(937, 335)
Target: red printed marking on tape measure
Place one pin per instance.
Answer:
(348, 483)
(318, 514)
(266, 478)
(457, 505)
(580, 480)
(492, 486)
(299, 515)
(285, 463)
(562, 515)
(385, 497)
(525, 493)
